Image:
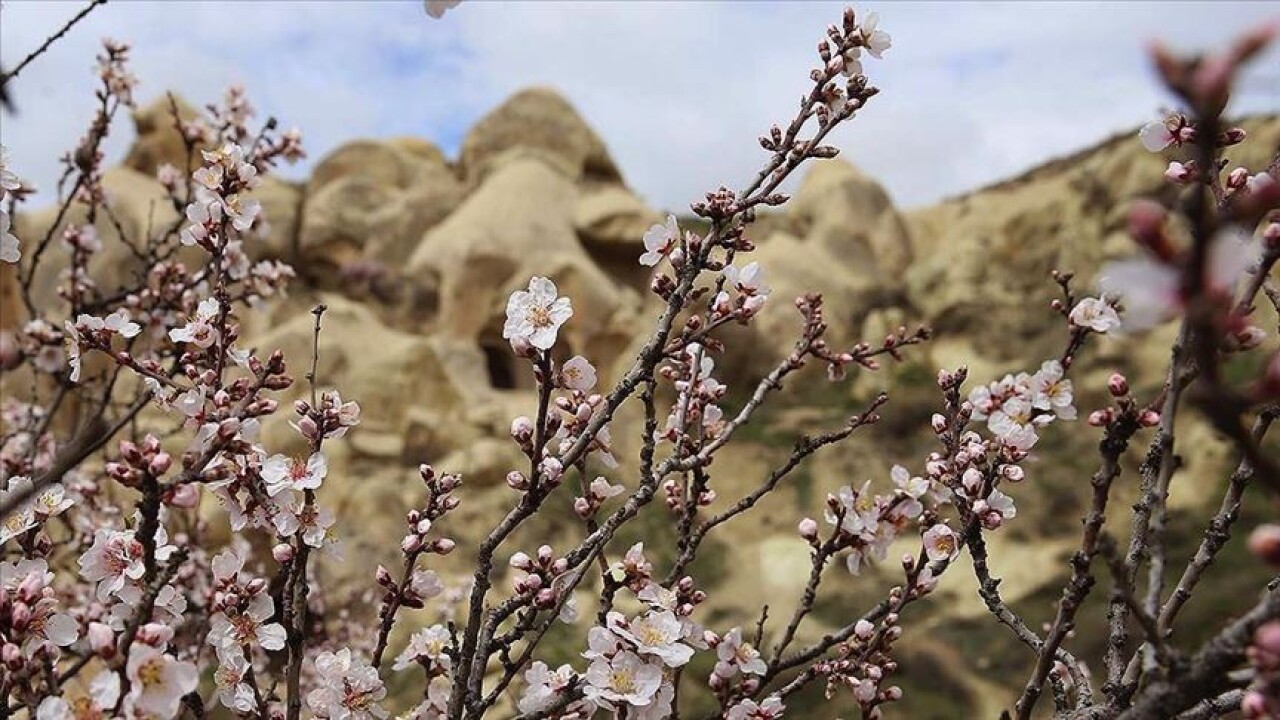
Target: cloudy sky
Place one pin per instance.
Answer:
(679, 90)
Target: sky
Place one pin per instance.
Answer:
(970, 93)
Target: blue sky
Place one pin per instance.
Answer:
(679, 90)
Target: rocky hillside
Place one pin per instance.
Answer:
(415, 254)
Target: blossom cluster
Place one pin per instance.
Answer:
(114, 603)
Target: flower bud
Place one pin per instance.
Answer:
(1264, 542)
(443, 546)
(12, 656)
(1099, 418)
(1149, 418)
(410, 544)
(20, 616)
(102, 640)
(282, 552)
(383, 576)
(155, 634)
(521, 561)
(864, 629)
(521, 346)
(1254, 705)
(1118, 385)
(939, 423)
(808, 528)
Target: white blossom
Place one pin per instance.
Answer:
(736, 655)
(535, 315)
(577, 373)
(199, 330)
(657, 633)
(659, 241)
(228, 634)
(104, 692)
(347, 688)
(624, 678)
(544, 686)
(770, 709)
(1095, 314)
(228, 680)
(280, 472)
(428, 644)
(158, 681)
(941, 543)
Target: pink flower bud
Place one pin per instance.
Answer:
(546, 598)
(582, 507)
(864, 629)
(383, 575)
(1149, 418)
(307, 427)
(521, 561)
(29, 590)
(945, 379)
(517, 481)
(1099, 418)
(808, 529)
(1267, 638)
(155, 634)
(283, 552)
(939, 423)
(521, 346)
(102, 640)
(1264, 542)
(1236, 178)
(411, 543)
(1118, 385)
(20, 616)
(522, 429)
(12, 656)
(160, 464)
(443, 546)
(1254, 705)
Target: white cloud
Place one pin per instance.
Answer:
(971, 93)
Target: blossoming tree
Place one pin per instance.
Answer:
(111, 605)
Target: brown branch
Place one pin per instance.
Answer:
(1115, 441)
(1206, 674)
